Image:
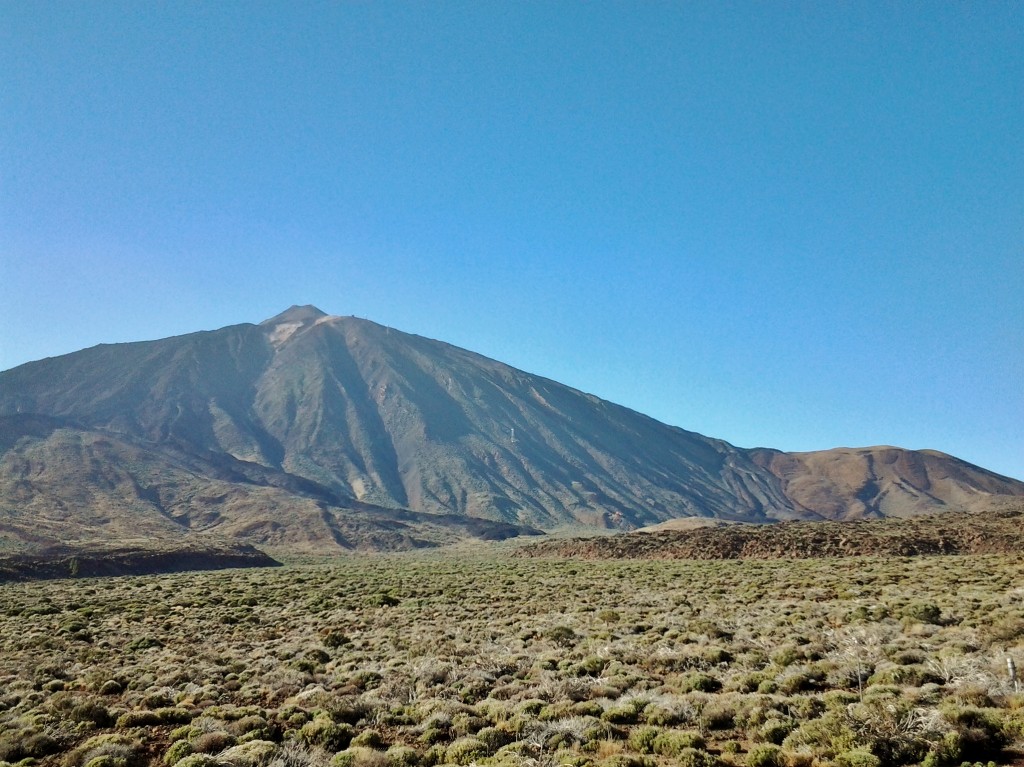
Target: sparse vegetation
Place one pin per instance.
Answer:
(420, 661)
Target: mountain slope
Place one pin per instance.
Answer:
(258, 429)
(63, 483)
(858, 483)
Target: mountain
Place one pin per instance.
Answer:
(316, 430)
(858, 483)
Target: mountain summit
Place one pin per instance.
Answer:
(299, 314)
(235, 429)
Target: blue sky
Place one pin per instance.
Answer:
(798, 225)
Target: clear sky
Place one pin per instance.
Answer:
(798, 225)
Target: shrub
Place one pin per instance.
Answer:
(251, 724)
(212, 742)
(642, 739)
(696, 757)
(178, 751)
(798, 681)
(335, 639)
(776, 730)
(111, 687)
(253, 753)
(563, 636)
(785, 656)
(857, 757)
(402, 756)
(593, 665)
(466, 750)
(19, 745)
(674, 742)
(158, 699)
(495, 738)
(700, 683)
(765, 756)
(365, 739)
(91, 711)
(113, 748)
(358, 756)
(331, 736)
(980, 732)
(624, 760)
(199, 760)
(923, 612)
(137, 719)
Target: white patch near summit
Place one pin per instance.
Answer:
(283, 332)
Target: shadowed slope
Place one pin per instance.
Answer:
(63, 484)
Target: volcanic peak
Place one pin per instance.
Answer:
(296, 313)
(284, 325)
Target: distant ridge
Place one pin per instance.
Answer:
(322, 432)
(998, 531)
(64, 562)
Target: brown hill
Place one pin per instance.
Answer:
(996, 531)
(315, 431)
(859, 483)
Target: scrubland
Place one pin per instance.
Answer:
(420, 660)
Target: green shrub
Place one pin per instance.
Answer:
(335, 639)
(365, 739)
(402, 756)
(674, 742)
(495, 738)
(358, 756)
(981, 732)
(144, 643)
(156, 700)
(178, 751)
(92, 712)
(786, 656)
(776, 730)
(642, 739)
(857, 757)
(122, 749)
(137, 719)
(923, 612)
(697, 682)
(253, 753)
(716, 655)
(19, 745)
(625, 760)
(696, 757)
(332, 736)
(624, 712)
(765, 756)
(173, 715)
(251, 724)
(593, 665)
(798, 681)
(466, 750)
(199, 760)
(563, 636)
